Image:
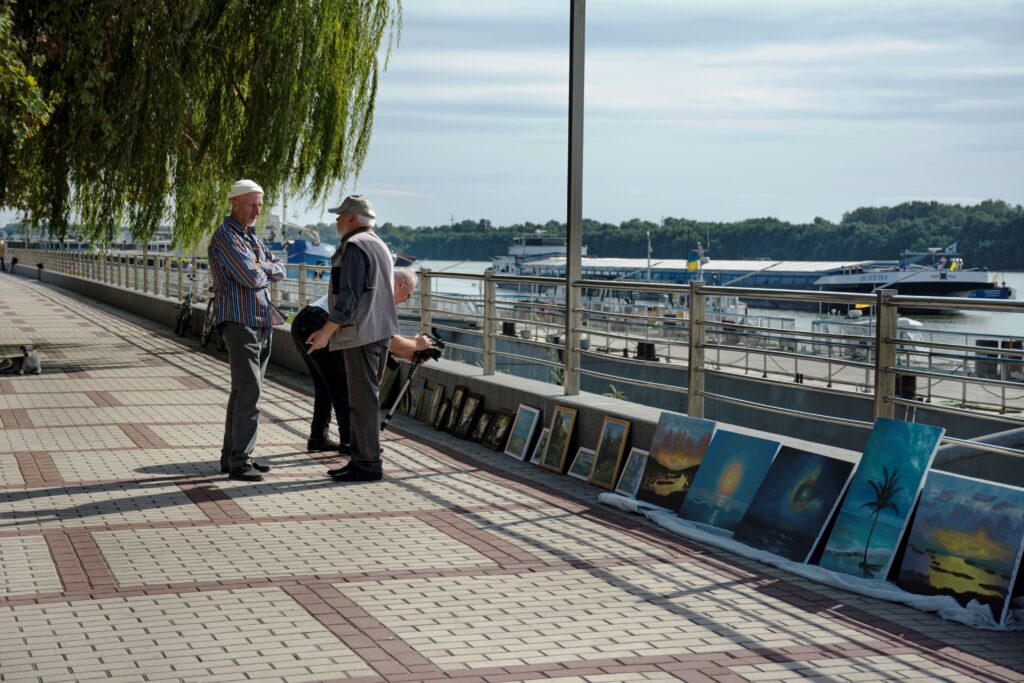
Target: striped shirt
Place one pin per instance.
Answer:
(242, 269)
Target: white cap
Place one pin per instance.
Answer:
(244, 187)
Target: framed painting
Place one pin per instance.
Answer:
(632, 472)
(435, 404)
(483, 421)
(557, 446)
(521, 436)
(454, 406)
(966, 542)
(538, 449)
(424, 407)
(582, 464)
(788, 514)
(415, 395)
(732, 472)
(882, 494)
(497, 434)
(677, 450)
(441, 419)
(471, 404)
(611, 445)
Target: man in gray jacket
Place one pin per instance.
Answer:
(361, 323)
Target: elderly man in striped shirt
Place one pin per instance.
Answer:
(242, 269)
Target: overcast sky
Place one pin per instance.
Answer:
(707, 109)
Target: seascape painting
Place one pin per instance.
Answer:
(415, 396)
(527, 419)
(965, 541)
(610, 447)
(497, 433)
(882, 494)
(582, 464)
(632, 473)
(677, 450)
(732, 472)
(794, 503)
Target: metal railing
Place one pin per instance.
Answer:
(879, 360)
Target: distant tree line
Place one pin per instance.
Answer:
(989, 234)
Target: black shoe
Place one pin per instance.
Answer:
(245, 474)
(338, 470)
(224, 467)
(258, 466)
(320, 445)
(355, 473)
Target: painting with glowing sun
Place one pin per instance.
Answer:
(965, 541)
(728, 478)
(797, 497)
(677, 450)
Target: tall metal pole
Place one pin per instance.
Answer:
(574, 226)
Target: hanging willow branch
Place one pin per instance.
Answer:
(159, 106)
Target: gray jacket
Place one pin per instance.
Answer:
(375, 318)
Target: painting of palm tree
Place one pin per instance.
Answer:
(885, 492)
(873, 517)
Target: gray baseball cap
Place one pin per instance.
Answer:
(357, 204)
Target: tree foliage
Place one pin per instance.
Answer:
(988, 234)
(159, 106)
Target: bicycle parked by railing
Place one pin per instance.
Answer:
(210, 328)
(184, 318)
(183, 323)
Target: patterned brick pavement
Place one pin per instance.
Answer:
(124, 556)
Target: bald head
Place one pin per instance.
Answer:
(405, 284)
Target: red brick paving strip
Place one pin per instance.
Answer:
(15, 418)
(217, 505)
(73, 575)
(143, 436)
(378, 645)
(104, 399)
(37, 469)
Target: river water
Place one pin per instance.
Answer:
(970, 322)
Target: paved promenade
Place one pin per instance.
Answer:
(123, 556)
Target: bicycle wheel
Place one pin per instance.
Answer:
(209, 322)
(181, 325)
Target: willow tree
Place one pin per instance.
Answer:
(157, 106)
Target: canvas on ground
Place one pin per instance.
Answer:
(965, 541)
(794, 503)
(882, 494)
(679, 445)
(732, 472)
(632, 472)
(582, 464)
(557, 446)
(610, 447)
(519, 440)
(542, 443)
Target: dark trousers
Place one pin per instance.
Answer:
(365, 366)
(248, 355)
(330, 385)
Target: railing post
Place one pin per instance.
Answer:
(490, 307)
(181, 267)
(167, 276)
(885, 353)
(145, 268)
(695, 360)
(302, 288)
(119, 272)
(426, 295)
